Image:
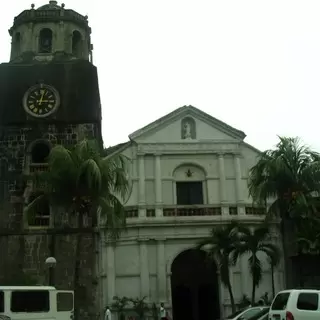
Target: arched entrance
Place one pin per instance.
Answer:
(194, 287)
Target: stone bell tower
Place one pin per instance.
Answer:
(48, 32)
(49, 95)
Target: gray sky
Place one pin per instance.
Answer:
(252, 64)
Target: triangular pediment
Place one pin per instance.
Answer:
(187, 124)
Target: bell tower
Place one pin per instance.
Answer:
(48, 32)
(49, 94)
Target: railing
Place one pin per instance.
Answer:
(255, 211)
(40, 221)
(191, 211)
(56, 15)
(38, 167)
(194, 211)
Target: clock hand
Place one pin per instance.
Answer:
(40, 101)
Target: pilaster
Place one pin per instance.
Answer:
(158, 184)
(239, 185)
(111, 275)
(161, 271)
(142, 186)
(144, 269)
(222, 177)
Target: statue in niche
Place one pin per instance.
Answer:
(188, 129)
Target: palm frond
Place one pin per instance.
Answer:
(32, 208)
(114, 213)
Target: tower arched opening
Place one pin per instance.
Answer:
(45, 40)
(40, 152)
(76, 44)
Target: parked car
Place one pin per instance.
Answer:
(300, 304)
(262, 315)
(245, 314)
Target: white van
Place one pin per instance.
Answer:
(35, 302)
(301, 304)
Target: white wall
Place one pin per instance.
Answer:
(140, 263)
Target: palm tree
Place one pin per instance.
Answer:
(289, 174)
(221, 243)
(84, 184)
(252, 242)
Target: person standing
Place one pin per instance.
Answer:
(107, 315)
(163, 313)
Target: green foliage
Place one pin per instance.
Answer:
(308, 235)
(290, 174)
(120, 304)
(155, 311)
(81, 181)
(221, 243)
(140, 307)
(227, 243)
(251, 242)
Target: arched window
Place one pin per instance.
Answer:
(76, 44)
(17, 43)
(40, 152)
(45, 41)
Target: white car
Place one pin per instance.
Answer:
(246, 314)
(300, 304)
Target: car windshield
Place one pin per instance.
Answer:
(235, 314)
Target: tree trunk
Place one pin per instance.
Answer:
(76, 281)
(253, 294)
(272, 281)
(233, 305)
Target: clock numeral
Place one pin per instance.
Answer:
(35, 110)
(51, 101)
(50, 106)
(31, 106)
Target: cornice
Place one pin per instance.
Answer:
(183, 148)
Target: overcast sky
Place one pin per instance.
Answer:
(252, 64)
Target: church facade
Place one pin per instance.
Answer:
(189, 173)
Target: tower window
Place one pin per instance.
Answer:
(40, 153)
(45, 41)
(41, 216)
(76, 44)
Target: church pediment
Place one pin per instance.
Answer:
(187, 124)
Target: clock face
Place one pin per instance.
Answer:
(41, 100)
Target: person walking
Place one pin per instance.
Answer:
(107, 315)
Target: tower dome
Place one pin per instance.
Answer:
(50, 32)
(53, 5)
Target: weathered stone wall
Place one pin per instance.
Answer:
(23, 251)
(27, 253)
